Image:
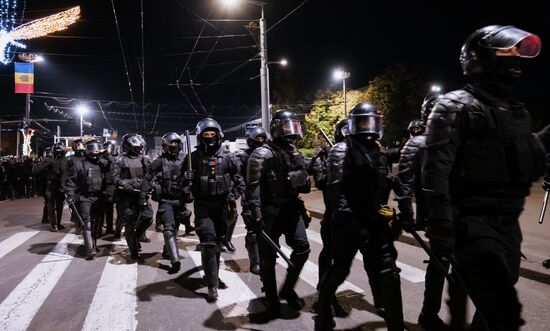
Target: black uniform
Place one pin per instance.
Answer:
(133, 208)
(479, 166)
(173, 196)
(53, 169)
(107, 212)
(85, 184)
(276, 175)
(214, 173)
(358, 185)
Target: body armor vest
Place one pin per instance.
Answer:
(171, 184)
(213, 178)
(91, 177)
(504, 154)
(367, 186)
(54, 172)
(132, 168)
(286, 176)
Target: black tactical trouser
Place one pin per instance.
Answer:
(134, 220)
(325, 256)
(279, 220)
(488, 255)
(211, 227)
(54, 204)
(169, 214)
(107, 215)
(89, 208)
(374, 238)
(232, 216)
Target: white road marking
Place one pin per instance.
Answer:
(310, 274)
(14, 241)
(19, 308)
(235, 299)
(115, 300)
(410, 273)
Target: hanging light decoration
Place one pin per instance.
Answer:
(34, 29)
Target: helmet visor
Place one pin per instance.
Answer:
(512, 41)
(291, 128)
(93, 149)
(371, 124)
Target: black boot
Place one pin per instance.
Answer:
(391, 292)
(269, 280)
(172, 249)
(89, 244)
(210, 267)
(253, 255)
(287, 291)
(131, 240)
(431, 322)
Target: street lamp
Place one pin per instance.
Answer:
(340, 74)
(81, 109)
(264, 72)
(436, 88)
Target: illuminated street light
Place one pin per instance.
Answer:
(436, 88)
(340, 74)
(81, 109)
(283, 62)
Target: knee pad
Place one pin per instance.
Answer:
(300, 257)
(387, 266)
(250, 238)
(208, 249)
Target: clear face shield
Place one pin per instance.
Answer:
(291, 129)
(93, 151)
(366, 124)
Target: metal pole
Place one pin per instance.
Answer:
(264, 75)
(0, 138)
(27, 110)
(81, 125)
(58, 135)
(18, 142)
(345, 105)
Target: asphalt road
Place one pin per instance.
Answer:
(47, 285)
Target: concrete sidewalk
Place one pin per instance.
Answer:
(536, 237)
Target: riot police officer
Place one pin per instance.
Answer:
(479, 165)
(53, 168)
(78, 148)
(255, 138)
(358, 187)
(84, 186)
(319, 172)
(276, 175)
(132, 204)
(410, 176)
(109, 155)
(173, 195)
(212, 174)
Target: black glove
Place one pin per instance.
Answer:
(546, 184)
(257, 225)
(407, 221)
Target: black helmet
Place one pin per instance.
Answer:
(210, 144)
(109, 148)
(78, 146)
(428, 104)
(253, 135)
(365, 118)
(172, 144)
(133, 144)
(416, 127)
(285, 125)
(93, 150)
(495, 50)
(47, 152)
(59, 150)
(341, 130)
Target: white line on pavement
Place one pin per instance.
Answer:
(14, 241)
(115, 300)
(235, 299)
(410, 273)
(310, 274)
(19, 308)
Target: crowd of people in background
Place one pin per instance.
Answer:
(16, 179)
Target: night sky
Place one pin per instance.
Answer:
(364, 37)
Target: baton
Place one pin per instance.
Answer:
(188, 142)
(275, 247)
(543, 210)
(76, 214)
(326, 137)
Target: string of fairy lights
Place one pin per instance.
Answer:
(41, 27)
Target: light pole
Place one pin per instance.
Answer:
(81, 109)
(340, 74)
(264, 71)
(29, 58)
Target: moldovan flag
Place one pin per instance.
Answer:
(24, 77)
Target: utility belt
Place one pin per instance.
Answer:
(97, 194)
(493, 219)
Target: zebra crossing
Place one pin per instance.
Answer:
(115, 302)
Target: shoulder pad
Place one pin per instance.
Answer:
(256, 163)
(335, 162)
